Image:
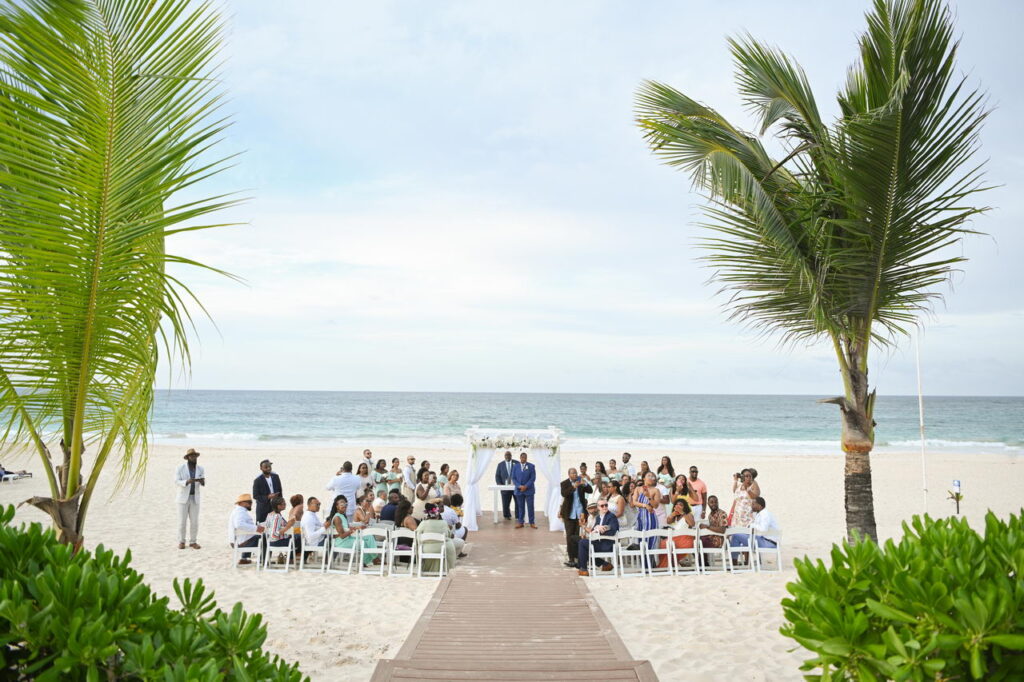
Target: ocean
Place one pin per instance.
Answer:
(784, 424)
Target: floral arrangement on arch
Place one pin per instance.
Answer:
(514, 441)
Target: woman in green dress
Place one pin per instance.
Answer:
(442, 478)
(380, 478)
(432, 523)
(345, 536)
(666, 472)
(395, 475)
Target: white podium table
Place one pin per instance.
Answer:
(497, 490)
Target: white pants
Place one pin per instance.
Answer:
(697, 509)
(459, 544)
(188, 511)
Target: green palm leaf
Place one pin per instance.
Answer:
(109, 113)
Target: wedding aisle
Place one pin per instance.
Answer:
(511, 611)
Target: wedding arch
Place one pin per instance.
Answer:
(542, 446)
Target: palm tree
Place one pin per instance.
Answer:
(846, 236)
(107, 119)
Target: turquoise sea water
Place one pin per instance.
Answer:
(724, 423)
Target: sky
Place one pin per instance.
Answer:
(454, 196)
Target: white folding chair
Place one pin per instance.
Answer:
(631, 561)
(610, 556)
(424, 553)
(380, 538)
(339, 559)
(406, 538)
(321, 551)
(383, 524)
(255, 552)
(710, 556)
(740, 550)
(679, 554)
(769, 551)
(287, 551)
(653, 555)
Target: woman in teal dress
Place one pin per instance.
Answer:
(442, 478)
(395, 475)
(380, 478)
(344, 536)
(666, 472)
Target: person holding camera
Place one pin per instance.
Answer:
(574, 501)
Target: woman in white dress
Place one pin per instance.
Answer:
(616, 502)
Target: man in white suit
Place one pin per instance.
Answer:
(189, 478)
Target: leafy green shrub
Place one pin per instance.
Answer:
(944, 603)
(89, 616)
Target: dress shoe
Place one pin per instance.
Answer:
(584, 572)
(533, 525)
(244, 562)
(570, 564)
(181, 545)
(606, 567)
(195, 545)
(519, 525)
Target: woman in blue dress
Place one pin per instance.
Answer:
(645, 500)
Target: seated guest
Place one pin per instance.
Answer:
(277, 526)
(312, 525)
(432, 523)
(241, 520)
(345, 536)
(387, 512)
(602, 523)
(295, 518)
(380, 499)
(451, 517)
(717, 521)
(456, 507)
(364, 515)
(404, 517)
(763, 525)
(680, 518)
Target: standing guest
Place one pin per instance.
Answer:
(699, 494)
(241, 521)
(680, 518)
(524, 477)
(646, 500)
(583, 472)
(395, 475)
(503, 476)
(368, 459)
(278, 528)
(265, 488)
(745, 490)
(574, 494)
(189, 478)
(644, 469)
(452, 487)
(613, 471)
(432, 523)
(664, 508)
(364, 515)
(600, 475)
(442, 476)
(666, 472)
(597, 489)
(380, 478)
(717, 522)
(426, 493)
(365, 479)
(628, 518)
(681, 490)
(312, 525)
(409, 477)
(424, 466)
(616, 504)
(627, 466)
(387, 512)
(601, 524)
(347, 485)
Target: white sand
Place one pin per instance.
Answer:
(337, 627)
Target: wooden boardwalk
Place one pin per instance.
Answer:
(512, 611)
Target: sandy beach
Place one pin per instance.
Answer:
(337, 627)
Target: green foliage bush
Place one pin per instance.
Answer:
(944, 603)
(89, 616)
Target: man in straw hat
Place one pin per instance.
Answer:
(190, 478)
(241, 522)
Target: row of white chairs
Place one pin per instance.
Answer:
(399, 551)
(631, 556)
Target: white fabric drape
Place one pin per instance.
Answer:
(550, 467)
(477, 468)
